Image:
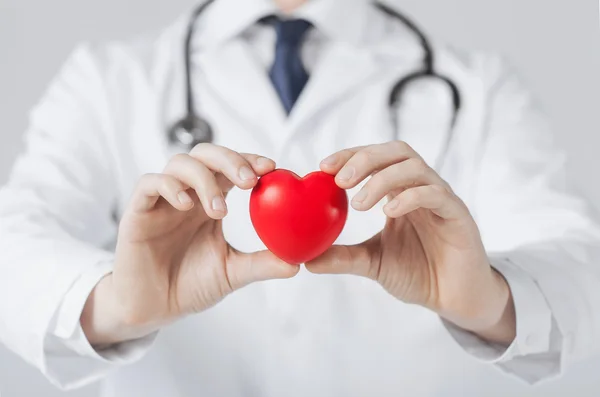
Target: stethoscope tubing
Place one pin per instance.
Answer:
(192, 129)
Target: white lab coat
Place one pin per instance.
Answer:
(102, 125)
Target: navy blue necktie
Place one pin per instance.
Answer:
(287, 73)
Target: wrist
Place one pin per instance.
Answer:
(488, 312)
(501, 326)
(103, 319)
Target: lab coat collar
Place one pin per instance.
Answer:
(346, 66)
(341, 20)
(226, 19)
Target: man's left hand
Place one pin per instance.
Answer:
(430, 251)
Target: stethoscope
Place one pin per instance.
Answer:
(193, 129)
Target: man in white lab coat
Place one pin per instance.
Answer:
(485, 262)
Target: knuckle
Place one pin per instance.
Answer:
(238, 160)
(177, 159)
(396, 175)
(344, 155)
(210, 185)
(400, 146)
(393, 172)
(167, 183)
(230, 158)
(377, 182)
(413, 195)
(201, 148)
(439, 189)
(148, 179)
(365, 157)
(419, 167)
(420, 164)
(249, 156)
(441, 193)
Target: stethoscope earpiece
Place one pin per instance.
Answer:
(190, 131)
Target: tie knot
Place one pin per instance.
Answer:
(291, 31)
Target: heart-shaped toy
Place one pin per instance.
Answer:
(298, 219)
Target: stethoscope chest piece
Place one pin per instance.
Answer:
(190, 131)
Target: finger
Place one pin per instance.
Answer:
(236, 167)
(244, 269)
(351, 167)
(333, 163)
(202, 180)
(260, 164)
(153, 186)
(436, 198)
(347, 259)
(400, 176)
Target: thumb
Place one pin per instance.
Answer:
(244, 269)
(360, 260)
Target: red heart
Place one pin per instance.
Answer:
(298, 218)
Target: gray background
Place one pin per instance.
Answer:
(554, 43)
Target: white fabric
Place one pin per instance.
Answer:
(534, 325)
(102, 125)
(69, 354)
(261, 41)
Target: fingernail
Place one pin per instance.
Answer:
(246, 174)
(263, 161)
(360, 197)
(329, 160)
(218, 204)
(346, 174)
(184, 198)
(392, 204)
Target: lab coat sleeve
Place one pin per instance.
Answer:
(541, 237)
(55, 217)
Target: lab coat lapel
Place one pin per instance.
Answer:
(424, 115)
(342, 70)
(232, 74)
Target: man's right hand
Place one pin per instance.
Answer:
(171, 257)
